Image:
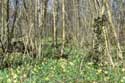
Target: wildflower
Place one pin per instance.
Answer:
(14, 76)
(123, 69)
(46, 78)
(71, 63)
(94, 82)
(14, 81)
(9, 80)
(122, 80)
(24, 75)
(63, 67)
(99, 71)
(90, 63)
(35, 70)
(106, 72)
(106, 78)
(123, 77)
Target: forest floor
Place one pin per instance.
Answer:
(75, 69)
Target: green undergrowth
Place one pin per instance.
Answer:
(74, 69)
(61, 71)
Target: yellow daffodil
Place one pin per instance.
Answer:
(90, 63)
(106, 72)
(94, 82)
(46, 78)
(123, 69)
(9, 80)
(14, 76)
(123, 77)
(71, 63)
(122, 80)
(106, 78)
(99, 71)
(15, 81)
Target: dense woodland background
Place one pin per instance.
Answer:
(87, 31)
